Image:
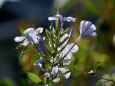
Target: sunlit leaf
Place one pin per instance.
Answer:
(34, 77)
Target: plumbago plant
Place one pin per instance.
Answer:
(53, 58)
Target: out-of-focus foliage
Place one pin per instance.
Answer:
(6, 82)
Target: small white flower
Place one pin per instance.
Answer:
(30, 36)
(87, 29)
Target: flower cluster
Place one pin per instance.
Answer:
(54, 57)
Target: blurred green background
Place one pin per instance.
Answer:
(99, 50)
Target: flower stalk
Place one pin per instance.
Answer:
(54, 56)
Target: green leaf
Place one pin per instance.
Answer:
(24, 51)
(35, 58)
(6, 82)
(34, 77)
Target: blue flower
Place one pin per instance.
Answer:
(31, 36)
(87, 29)
(39, 63)
(61, 18)
(68, 47)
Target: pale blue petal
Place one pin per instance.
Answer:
(29, 30)
(57, 79)
(54, 70)
(52, 18)
(34, 38)
(66, 62)
(47, 74)
(67, 75)
(63, 70)
(69, 55)
(39, 30)
(19, 39)
(81, 26)
(25, 42)
(94, 34)
(93, 27)
(69, 19)
(73, 50)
